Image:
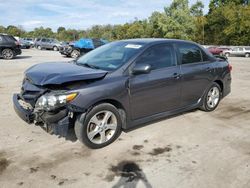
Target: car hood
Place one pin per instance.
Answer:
(59, 73)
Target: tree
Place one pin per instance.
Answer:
(177, 21)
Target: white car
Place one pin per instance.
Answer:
(238, 51)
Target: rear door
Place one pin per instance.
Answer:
(159, 90)
(196, 70)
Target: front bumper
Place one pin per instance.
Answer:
(55, 123)
(23, 113)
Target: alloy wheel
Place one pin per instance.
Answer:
(213, 97)
(7, 54)
(102, 127)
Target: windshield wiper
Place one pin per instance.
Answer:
(88, 65)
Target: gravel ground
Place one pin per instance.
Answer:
(194, 149)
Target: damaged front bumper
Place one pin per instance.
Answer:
(55, 122)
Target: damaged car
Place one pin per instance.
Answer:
(121, 85)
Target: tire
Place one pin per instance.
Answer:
(39, 47)
(75, 54)
(211, 101)
(227, 54)
(8, 53)
(55, 48)
(99, 134)
(247, 55)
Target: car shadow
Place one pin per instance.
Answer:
(22, 57)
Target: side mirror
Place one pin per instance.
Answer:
(141, 69)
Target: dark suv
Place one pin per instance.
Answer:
(121, 85)
(9, 46)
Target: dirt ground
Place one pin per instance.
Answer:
(195, 149)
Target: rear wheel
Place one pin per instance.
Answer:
(101, 126)
(7, 53)
(39, 47)
(75, 54)
(212, 98)
(55, 48)
(247, 55)
(227, 54)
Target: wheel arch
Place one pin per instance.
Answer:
(220, 83)
(118, 105)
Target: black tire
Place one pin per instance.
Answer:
(55, 48)
(75, 54)
(81, 125)
(8, 53)
(205, 106)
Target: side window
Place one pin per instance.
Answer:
(159, 56)
(1, 39)
(189, 53)
(204, 56)
(240, 49)
(43, 40)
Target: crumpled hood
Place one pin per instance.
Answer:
(59, 73)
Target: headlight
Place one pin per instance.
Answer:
(50, 102)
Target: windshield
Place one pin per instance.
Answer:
(110, 56)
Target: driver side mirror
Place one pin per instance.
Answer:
(141, 69)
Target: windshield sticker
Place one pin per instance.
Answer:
(135, 46)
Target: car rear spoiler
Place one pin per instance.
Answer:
(221, 58)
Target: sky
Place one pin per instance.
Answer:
(77, 14)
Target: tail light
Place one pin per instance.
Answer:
(17, 43)
(230, 67)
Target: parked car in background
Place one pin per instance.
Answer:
(217, 50)
(30, 40)
(238, 51)
(48, 44)
(121, 85)
(81, 47)
(25, 44)
(9, 46)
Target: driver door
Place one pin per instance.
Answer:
(159, 90)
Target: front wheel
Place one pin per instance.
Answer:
(247, 55)
(227, 54)
(212, 98)
(101, 126)
(75, 54)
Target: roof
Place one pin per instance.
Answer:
(155, 40)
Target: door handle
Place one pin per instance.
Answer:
(176, 76)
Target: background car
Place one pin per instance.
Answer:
(24, 44)
(217, 50)
(238, 51)
(30, 40)
(47, 43)
(80, 47)
(9, 46)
